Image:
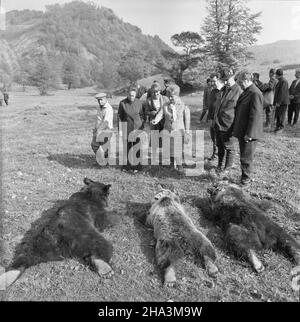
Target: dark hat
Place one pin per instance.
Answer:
(272, 71)
(279, 72)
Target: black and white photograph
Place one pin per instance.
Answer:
(150, 152)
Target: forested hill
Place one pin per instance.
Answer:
(77, 36)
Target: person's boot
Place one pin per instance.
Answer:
(180, 169)
(229, 161)
(268, 124)
(220, 166)
(172, 162)
(214, 154)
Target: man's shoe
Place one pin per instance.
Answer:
(219, 170)
(245, 181)
(180, 169)
(212, 157)
(278, 130)
(226, 171)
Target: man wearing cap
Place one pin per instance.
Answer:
(104, 122)
(247, 125)
(268, 90)
(281, 100)
(294, 107)
(223, 119)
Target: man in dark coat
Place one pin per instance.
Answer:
(131, 114)
(281, 100)
(206, 98)
(213, 102)
(247, 126)
(223, 119)
(294, 107)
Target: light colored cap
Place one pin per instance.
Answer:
(100, 95)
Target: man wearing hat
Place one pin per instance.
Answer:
(294, 107)
(224, 117)
(248, 125)
(281, 100)
(104, 122)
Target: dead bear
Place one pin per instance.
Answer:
(71, 231)
(176, 234)
(246, 227)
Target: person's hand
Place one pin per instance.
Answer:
(291, 97)
(210, 122)
(247, 139)
(154, 122)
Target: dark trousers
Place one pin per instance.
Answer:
(203, 114)
(247, 151)
(280, 116)
(212, 132)
(269, 114)
(293, 110)
(225, 148)
(130, 145)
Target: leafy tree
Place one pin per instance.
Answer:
(132, 66)
(42, 76)
(229, 30)
(70, 72)
(110, 77)
(177, 64)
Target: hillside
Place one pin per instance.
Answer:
(94, 37)
(275, 55)
(283, 51)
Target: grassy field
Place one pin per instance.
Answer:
(46, 154)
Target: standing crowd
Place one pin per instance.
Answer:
(234, 105)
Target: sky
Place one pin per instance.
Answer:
(280, 18)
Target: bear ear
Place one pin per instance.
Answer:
(87, 181)
(107, 187)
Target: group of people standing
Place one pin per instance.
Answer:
(279, 97)
(156, 112)
(234, 105)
